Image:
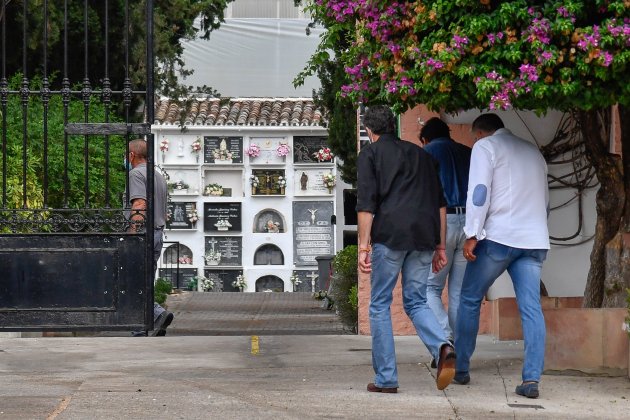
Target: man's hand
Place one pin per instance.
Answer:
(365, 261)
(469, 247)
(439, 259)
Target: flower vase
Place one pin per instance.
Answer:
(197, 157)
(163, 157)
(330, 190)
(253, 190)
(281, 190)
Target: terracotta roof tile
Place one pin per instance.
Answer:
(240, 112)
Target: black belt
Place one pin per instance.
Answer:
(456, 210)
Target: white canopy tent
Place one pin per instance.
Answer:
(253, 57)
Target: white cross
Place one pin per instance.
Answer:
(212, 242)
(312, 276)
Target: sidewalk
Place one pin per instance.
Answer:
(292, 377)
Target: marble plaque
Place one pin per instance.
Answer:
(181, 215)
(222, 217)
(222, 150)
(310, 181)
(312, 231)
(179, 278)
(223, 251)
(223, 279)
(305, 147)
(268, 150)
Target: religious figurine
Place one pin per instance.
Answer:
(272, 227)
(303, 181)
(312, 211)
(223, 145)
(180, 147)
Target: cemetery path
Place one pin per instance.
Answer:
(296, 313)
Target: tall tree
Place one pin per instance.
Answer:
(175, 22)
(524, 54)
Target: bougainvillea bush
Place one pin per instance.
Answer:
(457, 54)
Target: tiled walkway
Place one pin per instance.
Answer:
(250, 314)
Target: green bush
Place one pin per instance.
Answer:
(161, 290)
(353, 298)
(345, 286)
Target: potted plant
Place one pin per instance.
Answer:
(344, 288)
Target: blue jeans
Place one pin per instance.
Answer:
(524, 267)
(415, 267)
(454, 269)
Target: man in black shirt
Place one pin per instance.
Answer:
(402, 228)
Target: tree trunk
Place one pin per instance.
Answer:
(610, 199)
(618, 250)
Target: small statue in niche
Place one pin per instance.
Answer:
(223, 145)
(272, 227)
(313, 218)
(303, 181)
(180, 147)
(269, 181)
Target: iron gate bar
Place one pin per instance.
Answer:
(38, 243)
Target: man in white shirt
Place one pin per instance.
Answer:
(506, 229)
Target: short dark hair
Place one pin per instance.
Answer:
(434, 128)
(487, 123)
(380, 119)
(138, 147)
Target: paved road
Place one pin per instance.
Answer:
(250, 314)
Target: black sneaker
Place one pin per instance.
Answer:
(529, 390)
(161, 323)
(433, 363)
(139, 334)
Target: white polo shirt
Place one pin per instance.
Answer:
(508, 194)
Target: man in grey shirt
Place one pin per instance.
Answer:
(138, 198)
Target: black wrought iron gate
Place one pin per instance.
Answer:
(71, 85)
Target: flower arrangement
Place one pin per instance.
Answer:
(253, 150)
(320, 295)
(179, 185)
(195, 148)
(240, 282)
(213, 189)
(223, 224)
(184, 260)
(254, 181)
(295, 280)
(193, 216)
(212, 257)
(222, 154)
(164, 145)
(329, 180)
(206, 284)
(281, 182)
(283, 149)
(323, 155)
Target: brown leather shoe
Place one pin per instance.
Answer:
(446, 366)
(373, 388)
